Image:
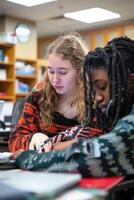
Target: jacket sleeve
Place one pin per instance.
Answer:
(107, 155)
(69, 134)
(28, 124)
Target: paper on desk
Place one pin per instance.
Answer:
(83, 194)
(40, 183)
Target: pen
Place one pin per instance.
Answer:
(42, 148)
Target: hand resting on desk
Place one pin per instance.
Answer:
(41, 143)
(15, 155)
(63, 145)
(57, 147)
(48, 145)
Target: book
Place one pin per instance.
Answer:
(105, 183)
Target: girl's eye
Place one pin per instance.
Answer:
(51, 72)
(63, 73)
(100, 87)
(103, 87)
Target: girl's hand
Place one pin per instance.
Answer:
(36, 141)
(48, 146)
(15, 155)
(63, 145)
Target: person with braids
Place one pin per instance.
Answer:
(59, 104)
(109, 100)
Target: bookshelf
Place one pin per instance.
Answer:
(9, 77)
(25, 76)
(7, 72)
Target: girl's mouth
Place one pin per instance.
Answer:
(58, 87)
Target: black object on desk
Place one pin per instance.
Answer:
(124, 190)
(2, 124)
(6, 162)
(4, 136)
(10, 164)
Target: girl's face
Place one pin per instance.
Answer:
(62, 75)
(100, 83)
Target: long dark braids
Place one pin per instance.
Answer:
(117, 58)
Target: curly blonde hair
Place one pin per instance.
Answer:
(71, 48)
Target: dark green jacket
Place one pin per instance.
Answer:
(107, 155)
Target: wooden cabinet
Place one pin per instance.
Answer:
(9, 77)
(26, 77)
(7, 72)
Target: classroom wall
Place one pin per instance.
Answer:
(92, 38)
(36, 48)
(23, 51)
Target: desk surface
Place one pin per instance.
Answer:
(70, 193)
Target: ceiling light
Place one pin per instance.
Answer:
(92, 15)
(30, 3)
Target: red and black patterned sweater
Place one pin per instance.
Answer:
(30, 123)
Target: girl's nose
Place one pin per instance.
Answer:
(56, 78)
(98, 98)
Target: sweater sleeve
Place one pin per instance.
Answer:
(28, 124)
(69, 134)
(107, 155)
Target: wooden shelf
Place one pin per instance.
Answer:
(4, 44)
(7, 80)
(30, 80)
(26, 76)
(26, 60)
(8, 85)
(22, 94)
(6, 63)
(6, 97)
